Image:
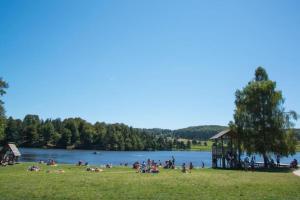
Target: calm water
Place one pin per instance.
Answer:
(117, 157)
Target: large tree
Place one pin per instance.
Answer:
(261, 122)
(31, 125)
(3, 86)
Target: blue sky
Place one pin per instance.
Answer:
(167, 64)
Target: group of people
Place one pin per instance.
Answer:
(170, 164)
(189, 169)
(81, 163)
(294, 164)
(90, 169)
(147, 167)
(247, 164)
(51, 162)
(150, 166)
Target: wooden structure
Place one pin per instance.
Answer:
(9, 154)
(222, 150)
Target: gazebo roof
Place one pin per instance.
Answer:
(14, 149)
(221, 134)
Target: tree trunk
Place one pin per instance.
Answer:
(266, 160)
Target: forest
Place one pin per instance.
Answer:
(76, 133)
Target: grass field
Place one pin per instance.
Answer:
(124, 183)
(198, 147)
(209, 144)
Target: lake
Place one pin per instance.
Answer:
(117, 157)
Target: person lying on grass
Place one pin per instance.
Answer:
(34, 168)
(60, 171)
(94, 169)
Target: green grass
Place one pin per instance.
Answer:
(201, 147)
(123, 183)
(209, 144)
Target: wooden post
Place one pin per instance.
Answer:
(223, 157)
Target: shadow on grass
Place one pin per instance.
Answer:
(269, 170)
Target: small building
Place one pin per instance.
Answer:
(9, 154)
(223, 153)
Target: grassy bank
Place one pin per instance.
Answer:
(198, 147)
(123, 183)
(202, 147)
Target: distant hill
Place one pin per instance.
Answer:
(194, 132)
(199, 132)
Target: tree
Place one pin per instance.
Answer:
(13, 130)
(87, 134)
(72, 126)
(3, 86)
(260, 119)
(189, 144)
(66, 136)
(48, 133)
(31, 124)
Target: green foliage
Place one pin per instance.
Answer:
(13, 128)
(30, 133)
(48, 133)
(261, 122)
(78, 133)
(3, 87)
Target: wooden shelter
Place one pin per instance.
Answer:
(222, 150)
(9, 154)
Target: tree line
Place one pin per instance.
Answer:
(76, 133)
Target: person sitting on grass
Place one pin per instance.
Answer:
(109, 166)
(166, 166)
(294, 164)
(154, 169)
(143, 168)
(136, 165)
(51, 162)
(79, 163)
(98, 170)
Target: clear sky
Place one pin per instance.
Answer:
(165, 63)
